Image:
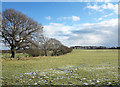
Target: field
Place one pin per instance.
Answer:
(80, 67)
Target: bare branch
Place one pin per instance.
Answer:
(18, 30)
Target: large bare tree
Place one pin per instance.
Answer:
(18, 30)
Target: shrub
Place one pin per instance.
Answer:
(34, 52)
(42, 53)
(61, 51)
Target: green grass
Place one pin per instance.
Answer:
(18, 55)
(80, 67)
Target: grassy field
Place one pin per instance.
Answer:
(80, 67)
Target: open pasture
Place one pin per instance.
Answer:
(80, 67)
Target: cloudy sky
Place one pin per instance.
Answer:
(74, 23)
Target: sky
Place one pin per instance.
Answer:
(60, 0)
(74, 23)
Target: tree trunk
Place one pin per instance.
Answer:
(13, 51)
(45, 53)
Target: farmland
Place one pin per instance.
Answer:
(80, 67)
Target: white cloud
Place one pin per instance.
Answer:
(101, 8)
(54, 29)
(102, 33)
(100, 18)
(112, 7)
(104, 16)
(73, 18)
(48, 17)
(108, 15)
(95, 7)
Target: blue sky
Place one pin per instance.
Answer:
(39, 10)
(74, 23)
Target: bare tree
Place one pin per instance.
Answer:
(0, 19)
(43, 44)
(49, 44)
(0, 26)
(18, 30)
(55, 46)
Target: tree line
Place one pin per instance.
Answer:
(20, 32)
(94, 47)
